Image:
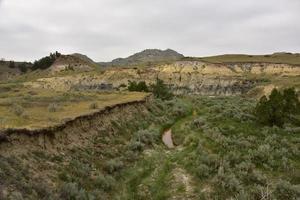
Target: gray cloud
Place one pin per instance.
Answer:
(116, 28)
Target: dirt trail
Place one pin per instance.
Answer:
(167, 139)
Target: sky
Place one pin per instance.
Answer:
(108, 29)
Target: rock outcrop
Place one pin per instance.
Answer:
(184, 77)
(71, 62)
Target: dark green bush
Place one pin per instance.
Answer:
(45, 62)
(160, 90)
(138, 86)
(278, 108)
(23, 67)
(203, 171)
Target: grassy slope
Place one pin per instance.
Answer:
(285, 58)
(226, 155)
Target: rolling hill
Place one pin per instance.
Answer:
(147, 57)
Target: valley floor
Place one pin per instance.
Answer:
(221, 153)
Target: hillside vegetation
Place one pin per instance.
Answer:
(221, 152)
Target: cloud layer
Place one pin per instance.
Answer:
(108, 29)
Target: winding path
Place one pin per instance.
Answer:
(167, 139)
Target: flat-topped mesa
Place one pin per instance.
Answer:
(275, 58)
(235, 69)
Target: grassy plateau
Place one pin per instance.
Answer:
(22, 107)
(286, 58)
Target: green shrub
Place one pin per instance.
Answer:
(203, 171)
(160, 90)
(228, 182)
(23, 67)
(63, 176)
(256, 177)
(278, 108)
(41, 188)
(138, 86)
(147, 137)
(105, 183)
(242, 195)
(198, 123)
(79, 169)
(136, 146)
(113, 166)
(285, 190)
(71, 191)
(179, 108)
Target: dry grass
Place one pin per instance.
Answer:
(36, 105)
(286, 58)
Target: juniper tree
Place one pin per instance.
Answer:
(276, 109)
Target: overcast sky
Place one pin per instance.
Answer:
(106, 29)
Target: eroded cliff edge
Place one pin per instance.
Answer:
(76, 132)
(184, 77)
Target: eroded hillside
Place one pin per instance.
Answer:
(187, 77)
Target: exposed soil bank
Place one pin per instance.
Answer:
(74, 132)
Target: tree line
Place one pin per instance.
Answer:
(43, 63)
